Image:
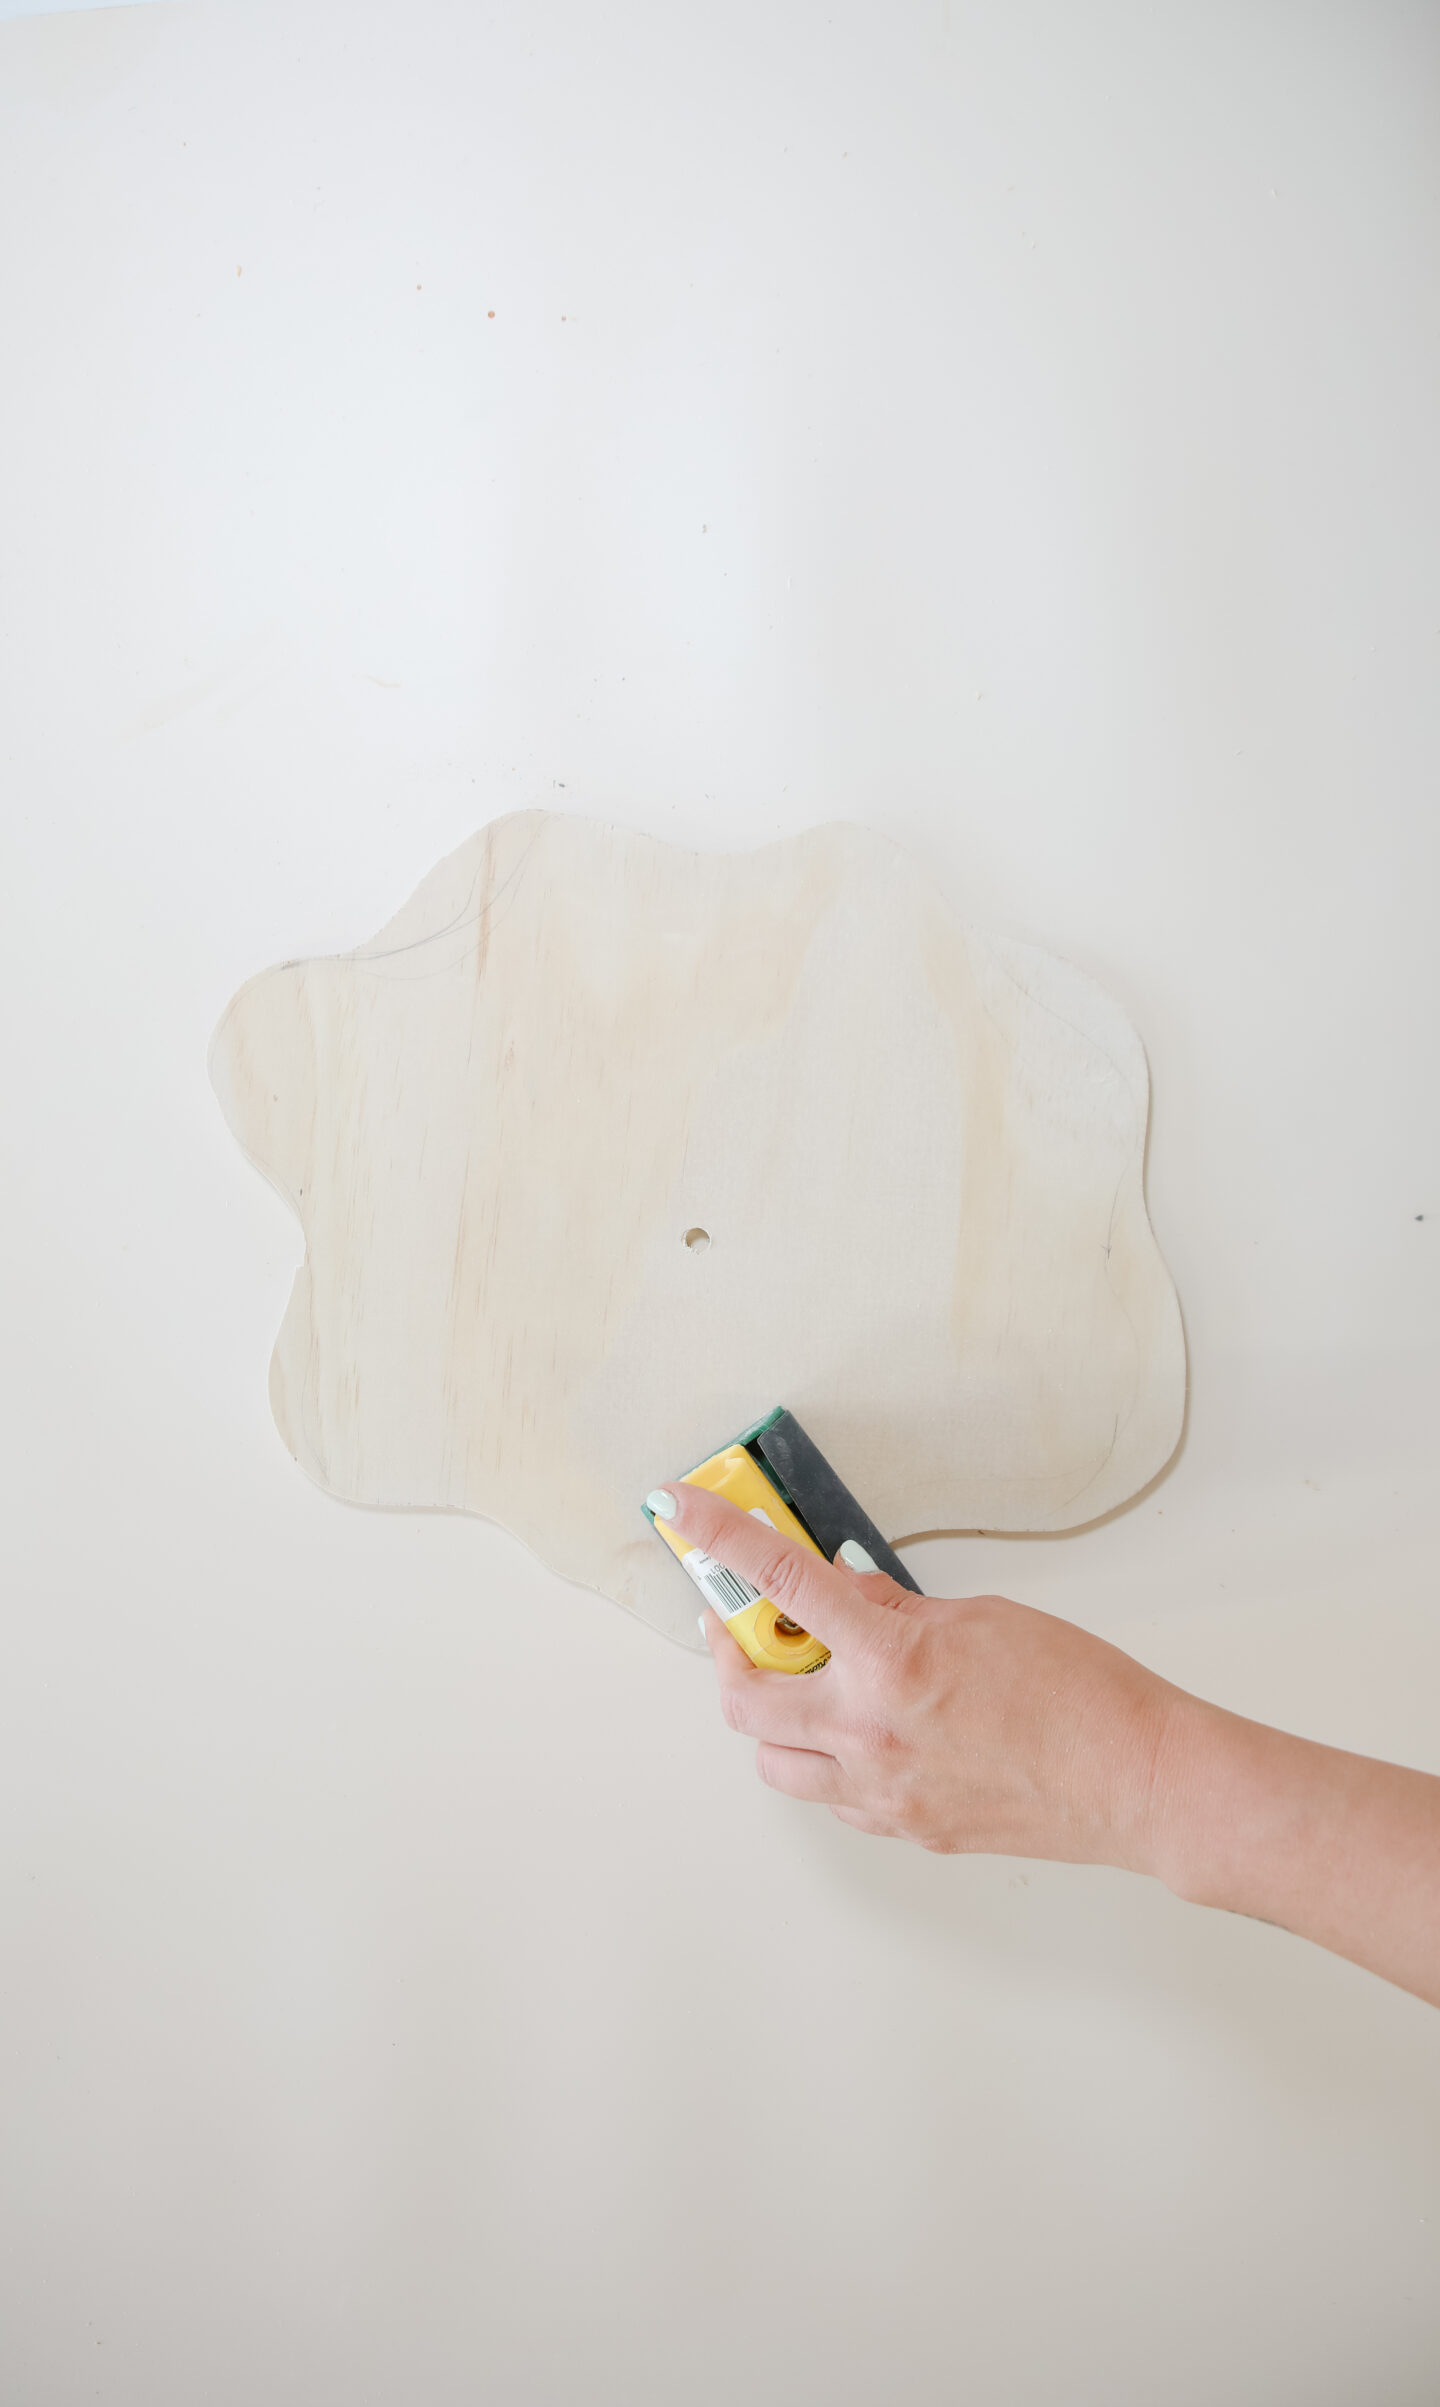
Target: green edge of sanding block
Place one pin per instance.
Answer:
(816, 1495)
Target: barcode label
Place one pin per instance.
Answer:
(723, 1589)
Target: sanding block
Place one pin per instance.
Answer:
(777, 1472)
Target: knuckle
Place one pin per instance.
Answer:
(903, 1652)
(788, 1581)
(897, 1799)
(884, 1667)
(872, 1737)
(732, 1707)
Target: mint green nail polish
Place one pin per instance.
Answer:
(854, 1557)
(661, 1503)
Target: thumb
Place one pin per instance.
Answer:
(859, 1569)
(823, 1599)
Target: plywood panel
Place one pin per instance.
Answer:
(916, 1151)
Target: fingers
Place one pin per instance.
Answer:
(796, 1772)
(859, 1820)
(823, 1600)
(878, 1586)
(782, 1713)
(765, 1705)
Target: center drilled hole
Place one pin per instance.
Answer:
(697, 1240)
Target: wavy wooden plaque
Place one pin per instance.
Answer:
(601, 1148)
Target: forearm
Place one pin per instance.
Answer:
(1335, 1847)
(977, 1725)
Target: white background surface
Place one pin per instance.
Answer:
(1013, 428)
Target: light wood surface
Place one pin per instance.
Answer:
(916, 1151)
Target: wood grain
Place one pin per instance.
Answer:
(917, 1151)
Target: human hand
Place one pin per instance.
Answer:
(970, 1724)
(977, 1725)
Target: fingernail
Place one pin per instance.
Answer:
(853, 1556)
(700, 1624)
(661, 1503)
